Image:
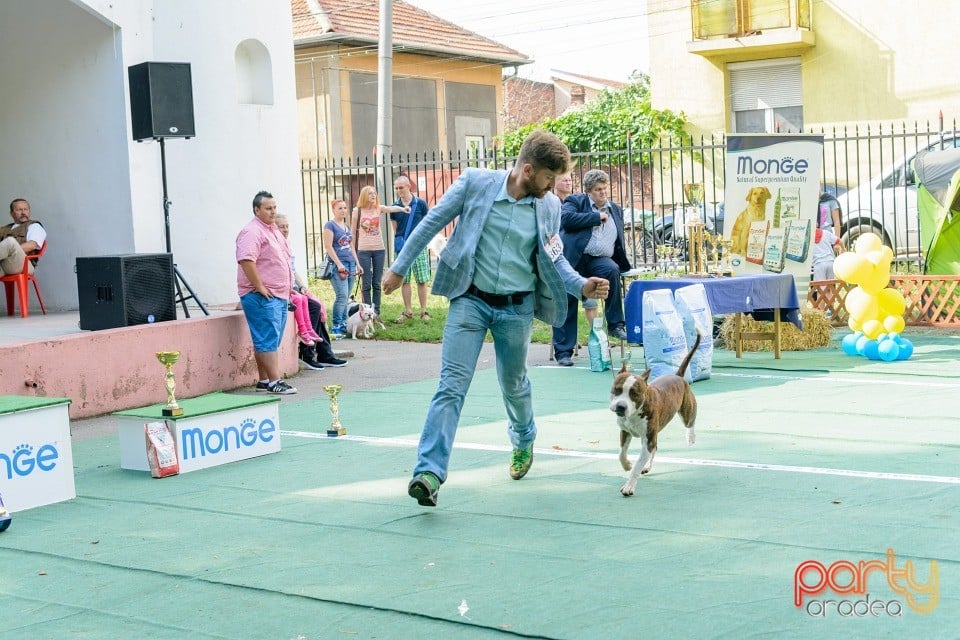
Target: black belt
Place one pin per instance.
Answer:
(498, 299)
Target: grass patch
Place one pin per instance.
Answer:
(417, 330)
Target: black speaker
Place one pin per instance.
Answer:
(121, 291)
(161, 100)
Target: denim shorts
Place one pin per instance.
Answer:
(267, 318)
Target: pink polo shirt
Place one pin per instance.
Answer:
(266, 246)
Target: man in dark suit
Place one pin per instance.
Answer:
(591, 227)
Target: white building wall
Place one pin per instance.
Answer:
(68, 145)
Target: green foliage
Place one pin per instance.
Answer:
(605, 122)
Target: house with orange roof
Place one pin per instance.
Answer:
(447, 80)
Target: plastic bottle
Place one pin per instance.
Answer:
(4, 516)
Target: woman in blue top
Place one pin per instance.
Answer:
(338, 245)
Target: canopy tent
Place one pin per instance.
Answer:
(938, 205)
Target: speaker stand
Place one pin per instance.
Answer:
(178, 279)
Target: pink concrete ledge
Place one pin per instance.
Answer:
(117, 369)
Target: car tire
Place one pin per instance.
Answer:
(857, 228)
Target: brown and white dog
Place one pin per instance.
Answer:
(643, 410)
(755, 211)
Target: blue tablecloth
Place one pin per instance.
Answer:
(757, 295)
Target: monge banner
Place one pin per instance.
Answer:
(771, 201)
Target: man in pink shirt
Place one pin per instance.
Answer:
(264, 283)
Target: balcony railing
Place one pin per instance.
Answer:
(741, 18)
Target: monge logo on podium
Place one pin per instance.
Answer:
(24, 460)
(197, 443)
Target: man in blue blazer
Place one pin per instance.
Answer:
(502, 266)
(591, 228)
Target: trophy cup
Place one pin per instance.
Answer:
(696, 252)
(336, 429)
(167, 358)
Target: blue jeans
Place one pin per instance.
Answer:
(372, 263)
(342, 289)
(468, 320)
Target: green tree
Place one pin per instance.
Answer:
(605, 122)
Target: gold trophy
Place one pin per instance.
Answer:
(336, 429)
(168, 358)
(696, 251)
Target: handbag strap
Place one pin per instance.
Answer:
(406, 231)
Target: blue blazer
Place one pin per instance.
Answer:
(576, 225)
(471, 198)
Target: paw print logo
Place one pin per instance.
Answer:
(22, 460)
(787, 159)
(21, 448)
(248, 432)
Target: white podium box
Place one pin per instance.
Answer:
(214, 429)
(36, 456)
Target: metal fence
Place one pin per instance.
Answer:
(867, 168)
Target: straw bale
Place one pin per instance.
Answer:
(816, 332)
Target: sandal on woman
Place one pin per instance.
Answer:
(406, 315)
(425, 316)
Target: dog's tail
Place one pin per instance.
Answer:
(686, 361)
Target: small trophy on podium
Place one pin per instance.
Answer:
(167, 358)
(336, 429)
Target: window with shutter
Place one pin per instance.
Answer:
(765, 96)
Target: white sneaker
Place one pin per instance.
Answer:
(280, 387)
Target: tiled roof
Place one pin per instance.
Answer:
(414, 30)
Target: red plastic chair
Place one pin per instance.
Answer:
(19, 280)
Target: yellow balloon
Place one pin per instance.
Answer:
(874, 257)
(872, 329)
(867, 242)
(877, 280)
(887, 254)
(851, 267)
(892, 302)
(894, 324)
(855, 325)
(861, 305)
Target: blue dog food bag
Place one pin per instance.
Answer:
(694, 310)
(664, 341)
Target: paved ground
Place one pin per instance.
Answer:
(372, 364)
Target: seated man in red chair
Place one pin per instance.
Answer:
(19, 238)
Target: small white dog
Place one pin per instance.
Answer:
(362, 318)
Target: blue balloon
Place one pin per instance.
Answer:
(871, 350)
(906, 349)
(888, 350)
(894, 336)
(849, 344)
(882, 337)
(862, 342)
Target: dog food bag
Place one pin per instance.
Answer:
(598, 346)
(789, 204)
(664, 342)
(161, 450)
(798, 240)
(774, 252)
(756, 241)
(694, 310)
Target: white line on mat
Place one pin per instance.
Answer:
(896, 381)
(570, 453)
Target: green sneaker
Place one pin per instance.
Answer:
(520, 462)
(423, 488)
